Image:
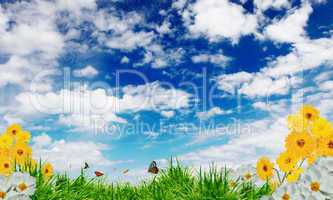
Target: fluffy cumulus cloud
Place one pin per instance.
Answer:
(291, 27)
(86, 72)
(217, 19)
(251, 84)
(69, 156)
(285, 72)
(307, 54)
(159, 57)
(211, 113)
(275, 4)
(32, 44)
(168, 113)
(246, 146)
(218, 59)
(254, 88)
(83, 107)
(123, 35)
(231, 82)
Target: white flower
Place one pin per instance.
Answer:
(267, 198)
(247, 173)
(288, 191)
(24, 184)
(4, 187)
(318, 183)
(325, 162)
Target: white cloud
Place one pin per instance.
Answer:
(179, 4)
(83, 108)
(258, 85)
(290, 28)
(168, 113)
(32, 44)
(275, 4)
(307, 54)
(218, 59)
(164, 28)
(69, 156)
(123, 35)
(255, 87)
(11, 119)
(27, 39)
(211, 113)
(219, 19)
(40, 128)
(230, 82)
(159, 57)
(209, 135)
(326, 86)
(151, 134)
(76, 6)
(87, 72)
(243, 148)
(324, 76)
(129, 40)
(271, 107)
(3, 21)
(154, 96)
(42, 140)
(125, 60)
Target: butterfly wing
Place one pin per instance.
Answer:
(86, 166)
(98, 174)
(153, 168)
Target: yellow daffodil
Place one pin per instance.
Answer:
(326, 146)
(297, 123)
(310, 113)
(24, 137)
(6, 141)
(265, 168)
(273, 184)
(14, 130)
(21, 153)
(47, 170)
(33, 164)
(312, 158)
(301, 144)
(6, 166)
(322, 128)
(287, 161)
(4, 152)
(294, 175)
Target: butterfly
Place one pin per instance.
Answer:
(86, 166)
(153, 168)
(98, 174)
(126, 171)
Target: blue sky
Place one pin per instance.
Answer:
(118, 84)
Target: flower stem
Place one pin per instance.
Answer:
(278, 174)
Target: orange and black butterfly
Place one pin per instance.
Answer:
(98, 174)
(153, 168)
(125, 171)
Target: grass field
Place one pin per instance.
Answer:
(176, 182)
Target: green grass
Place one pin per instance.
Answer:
(174, 183)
